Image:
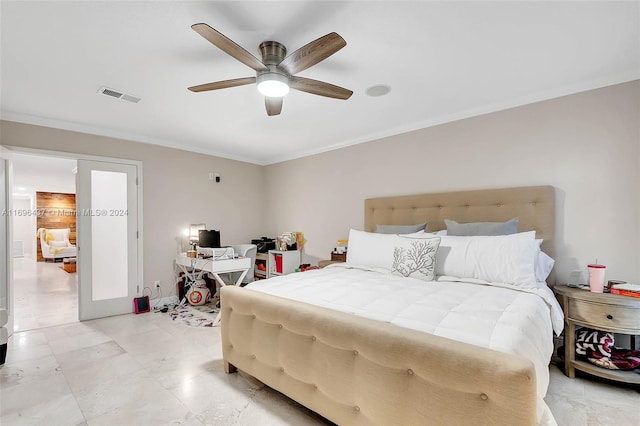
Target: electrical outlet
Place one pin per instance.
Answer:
(157, 284)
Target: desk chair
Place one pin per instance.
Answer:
(245, 250)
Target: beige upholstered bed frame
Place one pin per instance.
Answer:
(358, 371)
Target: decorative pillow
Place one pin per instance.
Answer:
(507, 259)
(58, 234)
(415, 257)
(58, 244)
(400, 229)
(482, 228)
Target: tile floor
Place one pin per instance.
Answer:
(45, 295)
(149, 370)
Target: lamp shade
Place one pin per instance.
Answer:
(194, 230)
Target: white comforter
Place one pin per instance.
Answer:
(495, 317)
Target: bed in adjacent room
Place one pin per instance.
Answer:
(419, 328)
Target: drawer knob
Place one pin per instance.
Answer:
(609, 316)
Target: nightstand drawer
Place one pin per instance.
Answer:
(339, 257)
(597, 314)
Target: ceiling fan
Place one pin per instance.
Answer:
(275, 73)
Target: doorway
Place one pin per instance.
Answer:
(43, 197)
(103, 185)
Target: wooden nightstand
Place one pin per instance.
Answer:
(339, 257)
(601, 311)
(323, 263)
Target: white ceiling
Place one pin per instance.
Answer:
(443, 61)
(33, 173)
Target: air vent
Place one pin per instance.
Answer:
(110, 92)
(119, 95)
(130, 98)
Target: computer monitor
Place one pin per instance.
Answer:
(208, 238)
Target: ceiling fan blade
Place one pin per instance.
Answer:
(223, 84)
(312, 53)
(228, 46)
(274, 105)
(319, 88)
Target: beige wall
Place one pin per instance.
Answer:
(586, 145)
(177, 191)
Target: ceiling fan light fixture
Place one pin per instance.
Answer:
(273, 84)
(276, 72)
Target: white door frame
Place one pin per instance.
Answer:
(77, 156)
(6, 262)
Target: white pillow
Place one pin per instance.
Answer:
(377, 251)
(415, 257)
(58, 244)
(371, 249)
(544, 265)
(507, 259)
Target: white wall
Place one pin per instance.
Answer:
(43, 174)
(177, 191)
(586, 145)
(24, 225)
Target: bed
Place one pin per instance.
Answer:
(360, 345)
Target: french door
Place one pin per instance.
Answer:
(109, 253)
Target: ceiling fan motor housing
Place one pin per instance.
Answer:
(272, 52)
(273, 82)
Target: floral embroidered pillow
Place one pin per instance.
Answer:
(415, 257)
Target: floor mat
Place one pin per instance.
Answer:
(196, 316)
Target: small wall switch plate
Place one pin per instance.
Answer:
(211, 176)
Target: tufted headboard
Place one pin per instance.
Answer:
(533, 205)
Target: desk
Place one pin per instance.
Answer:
(216, 267)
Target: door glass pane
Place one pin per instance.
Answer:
(109, 234)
